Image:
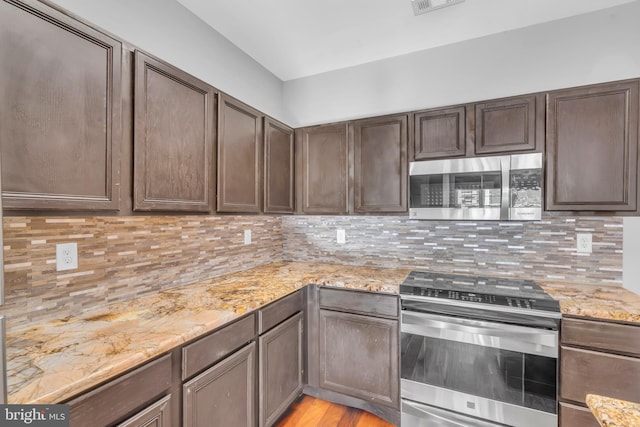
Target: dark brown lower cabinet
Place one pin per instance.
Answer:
(359, 356)
(280, 355)
(596, 358)
(223, 395)
(156, 415)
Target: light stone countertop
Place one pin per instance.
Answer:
(56, 360)
(614, 412)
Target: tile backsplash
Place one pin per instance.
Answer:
(540, 250)
(121, 258)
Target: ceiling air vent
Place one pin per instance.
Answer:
(424, 6)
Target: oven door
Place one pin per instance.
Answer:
(493, 371)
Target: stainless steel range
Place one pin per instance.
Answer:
(477, 351)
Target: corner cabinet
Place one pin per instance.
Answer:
(323, 158)
(380, 164)
(592, 148)
(279, 170)
(239, 157)
(173, 139)
(60, 111)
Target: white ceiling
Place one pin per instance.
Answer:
(298, 38)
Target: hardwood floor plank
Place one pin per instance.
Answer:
(308, 411)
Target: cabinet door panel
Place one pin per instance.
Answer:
(592, 148)
(173, 138)
(239, 157)
(278, 167)
(439, 133)
(359, 356)
(223, 395)
(60, 106)
(585, 372)
(325, 167)
(156, 415)
(509, 125)
(380, 165)
(280, 369)
(575, 416)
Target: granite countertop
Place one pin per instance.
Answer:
(614, 412)
(53, 361)
(611, 303)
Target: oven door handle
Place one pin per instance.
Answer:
(540, 342)
(415, 414)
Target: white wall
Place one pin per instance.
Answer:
(591, 48)
(631, 254)
(169, 31)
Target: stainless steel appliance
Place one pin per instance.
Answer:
(478, 188)
(477, 351)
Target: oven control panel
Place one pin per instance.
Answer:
(474, 297)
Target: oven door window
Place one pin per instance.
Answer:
(503, 375)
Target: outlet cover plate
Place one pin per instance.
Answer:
(584, 243)
(341, 236)
(247, 237)
(66, 256)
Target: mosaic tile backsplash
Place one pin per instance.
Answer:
(539, 250)
(121, 258)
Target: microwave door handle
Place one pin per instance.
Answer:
(505, 168)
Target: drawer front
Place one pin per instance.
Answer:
(280, 310)
(120, 397)
(576, 416)
(359, 302)
(585, 372)
(601, 335)
(214, 347)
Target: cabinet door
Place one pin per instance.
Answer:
(60, 106)
(280, 369)
(439, 133)
(224, 394)
(173, 138)
(278, 167)
(592, 148)
(575, 416)
(509, 125)
(239, 156)
(156, 415)
(325, 169)
(380, 164)
(359, 356)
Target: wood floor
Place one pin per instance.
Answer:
(308, 411)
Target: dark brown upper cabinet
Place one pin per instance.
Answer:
(592, 148)
(509, 125)
(279, 169)
(323, 153)
(380, 164)
(439, 133)
(239, 156)
(173, 138)
(60, 111)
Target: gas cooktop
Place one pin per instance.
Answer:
(495, 291)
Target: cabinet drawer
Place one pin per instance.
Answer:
(158, 414)
(585, 372)
(359, 302)
(601, 335)
(212, 348)
(278, 311)
(576, 416)
(120, 397)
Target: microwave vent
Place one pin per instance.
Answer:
(424, 6)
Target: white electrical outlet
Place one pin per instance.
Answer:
(341, 236)
(247, 237)
(66, 256)
(583, 243)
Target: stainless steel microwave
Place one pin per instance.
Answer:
(479, 188)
